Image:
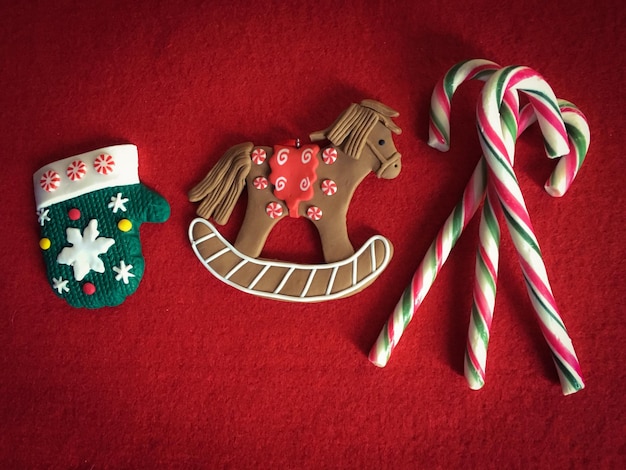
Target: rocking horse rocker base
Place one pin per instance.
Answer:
(288, 281)
(294, 180)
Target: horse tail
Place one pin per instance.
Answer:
(223, 184)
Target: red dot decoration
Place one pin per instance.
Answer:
(89, 288)
(73, 214)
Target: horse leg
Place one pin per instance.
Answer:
(334, 237)
(256, 226)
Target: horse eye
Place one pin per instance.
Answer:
(381, 142)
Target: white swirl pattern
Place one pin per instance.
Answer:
(280, 184)
(282, 156)
(307, 155)
(305, 184)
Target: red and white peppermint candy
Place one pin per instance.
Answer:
(329, 155)
(314, 213)
(50, 181)
(76, 170)
(259, 156)
(329, 187)
(274, 210)
(260, 182)
(104, 164)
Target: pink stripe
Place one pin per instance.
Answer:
(539, 285)
(472, 196)
(417, 285)
(439, 250)
(476, 70)
(481, 303)
(511, 102)
(490, 133)
(571, 165)
(474, 360)
(442, 98)
(560, 349)
(549, 115)
(390, 333)
(470, 204)
(516, 207)
(488, 263)
(521, 74)
(436, 132)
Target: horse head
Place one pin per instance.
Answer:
(367, 128)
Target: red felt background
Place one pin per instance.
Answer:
(190, 373)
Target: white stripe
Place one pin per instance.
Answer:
(285, 279)
(332, 280)
(214, 256)
(373, 256)
(309, 281)
(203, 239)
(235, 269)
(259, 276)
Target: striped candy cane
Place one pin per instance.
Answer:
(484, 294)
(440, 100)
(579, 137)
(516, 214)
(450, 232)
(437, 254)
(487, 255)
(487, 258)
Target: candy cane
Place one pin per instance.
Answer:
(456, 222)
(488, 252)
(518, 221)
(439, 250)
(579, 136)
(487, 258)
(439, 123)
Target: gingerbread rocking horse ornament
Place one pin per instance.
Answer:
(297, 180)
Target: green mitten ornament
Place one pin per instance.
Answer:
(90, 208)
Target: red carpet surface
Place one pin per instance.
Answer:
(191, 373)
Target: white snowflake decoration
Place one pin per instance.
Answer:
(117, 202)
(42, 216)
(85, 249)
(123, 272)
(60, 285)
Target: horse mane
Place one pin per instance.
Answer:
(354, 125)
(223, 184)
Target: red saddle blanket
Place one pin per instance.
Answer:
(293, 172)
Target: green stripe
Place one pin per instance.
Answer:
(407, 306)
(510, 122)
(496, 155)
(449, 79)
(475, 375)
(484, 74)
(518, 228)
(503, 80)
(549, 150)
(568, 375)
(481, 327)
(579, 140)
(544, 97)
(439, 125)
(457, 222)
(544, 307)
(486, 274)
(491, 221)
(386, 340)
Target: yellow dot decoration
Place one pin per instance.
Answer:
(124, 225)
(44, 243)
